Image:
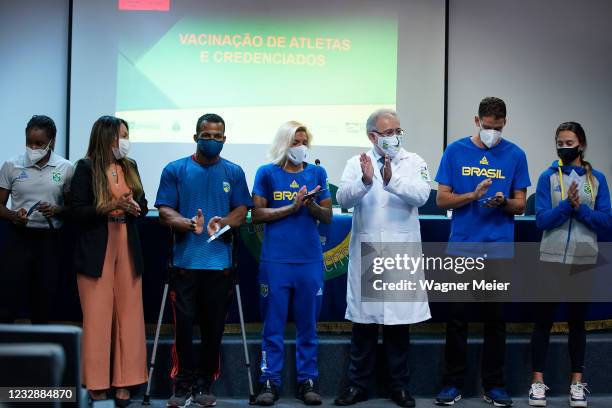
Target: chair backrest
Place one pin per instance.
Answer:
(67, 337)
(430, 207)
(530, 205)
(32, 365)
(333, 189)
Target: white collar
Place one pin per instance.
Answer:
(375, 153)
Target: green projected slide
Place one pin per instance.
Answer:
(257, 73)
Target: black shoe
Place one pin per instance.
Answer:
(181, 395)
(267, 394)
(350, 396)
(91, 400)
(308, 394)
(201, 395)
(403, 398)
(122, 403)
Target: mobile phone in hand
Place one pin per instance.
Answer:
(314, 194)
(486, 201)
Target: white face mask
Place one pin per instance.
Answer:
(297, 154)
(390, 145)
(489, 137)
(122, 151)
(36, 155)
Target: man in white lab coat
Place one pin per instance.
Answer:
(385, 186)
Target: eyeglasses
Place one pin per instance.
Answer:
(390, 132)
(208, 136)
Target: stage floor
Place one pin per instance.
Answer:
(554, 402)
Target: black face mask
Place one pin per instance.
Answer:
(568, 154)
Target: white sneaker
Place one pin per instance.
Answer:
(537, 394)
(577, 397)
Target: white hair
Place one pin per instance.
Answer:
(374, 116)
(284, 139)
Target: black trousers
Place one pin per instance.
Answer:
(540, 338)
(396, 342)
(31, 270)
(493, 350)
(202, 295)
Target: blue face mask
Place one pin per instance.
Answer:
(209, 147)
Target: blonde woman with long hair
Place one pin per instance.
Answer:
(290, 197)
(107, 198)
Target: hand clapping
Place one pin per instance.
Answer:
(367, 169)
(127, 204)
(573, 196)
(197, 223)
(214, 225)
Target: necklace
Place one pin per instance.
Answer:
(114, 173)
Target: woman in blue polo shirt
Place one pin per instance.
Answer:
(37, 183)
(572, 206)
(291, 263)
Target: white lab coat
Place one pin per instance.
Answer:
(384, 214)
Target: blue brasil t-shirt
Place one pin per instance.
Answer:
(462, 167)
(217, 189)
(295, 238)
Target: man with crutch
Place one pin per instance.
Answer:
(197, 190)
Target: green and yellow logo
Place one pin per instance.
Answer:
(484, 161)
(294, 184)
(226, 187)
(56, 176)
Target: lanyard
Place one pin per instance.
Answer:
(34, 208)
(563, 187)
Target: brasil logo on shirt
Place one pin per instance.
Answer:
(335, 246)
(470, 171)
(226, 187)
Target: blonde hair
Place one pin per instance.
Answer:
(283, 140)
(103, 134)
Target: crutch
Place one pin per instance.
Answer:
(235, 238)
(147, 397)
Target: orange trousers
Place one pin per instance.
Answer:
(113, 351)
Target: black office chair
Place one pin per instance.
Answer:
(68, 337)
(32, 365)
(430, 207)
(530, 205)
